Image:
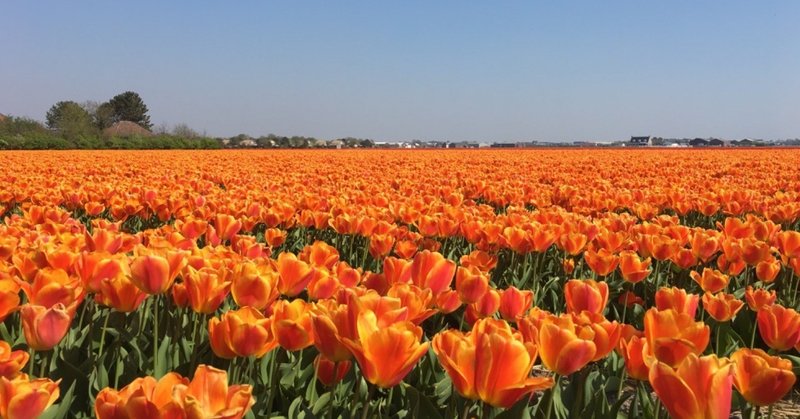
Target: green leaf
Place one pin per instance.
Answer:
(321, 403)
(420, 406)
(163, 358)
(519, 410)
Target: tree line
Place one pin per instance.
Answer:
(123, 122)
(91, 125)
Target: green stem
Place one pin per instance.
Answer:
(657, 414)
(155, 338)
(465, 413)
(43, 366)
(103, 335)
(272, 380)
(556, 383)
(621, 382)
(334, 389)
(365, 410)
(195, 338)
(32, 356)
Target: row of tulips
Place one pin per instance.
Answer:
(271, 187)
(206, 294)
(377, 321)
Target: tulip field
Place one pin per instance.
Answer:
(552, 283)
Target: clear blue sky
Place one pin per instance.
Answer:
(392, 70)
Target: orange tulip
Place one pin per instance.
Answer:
(380, 245)
(291, 324)
(767, 271)
(759, 298)
(22, 398)
(779, 327)
(573, 243)
(209, 395)
(417, 301)
(761, 379)
(432, 270)
(568, 265)
(601, 262)
(448, 301)
(662, 247)
(562, 350)
(320, 255)
(329, 372)
(699, 388)
(586, 295)
(405, 248)
(206, 288)
(514, 303)
(386, 355)
(331, 324)
(633, 268)
(485, 307)
(684, 259)
(293, 274)
(144, 397)
(530, 324)
(274, 237)
(120, 293)
(254, 285)
(484, 261)
(44, 327)
(244, 332)
(227, 226)
(9, 297)
(704, 246)
(598, 329)
(672, 335)
(711, 281)
(677, 299)
(491, 363)
(92, 268)
(151, 273)
(471, 284)
(11, 362)
(788, 244)
(633, 351)
(722, 307)
(53, 286)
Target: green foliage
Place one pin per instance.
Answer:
(70, 120)
(128, 106)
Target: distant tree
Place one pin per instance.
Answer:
(13, 126)
(184, 131)
(70, 120)
(129, 106)
(104, 116)
(161, 129)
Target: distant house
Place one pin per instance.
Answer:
(465, 144)
(126, 129)
(504, 145)
(716, 142)
(641, 141)
(698, 142)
